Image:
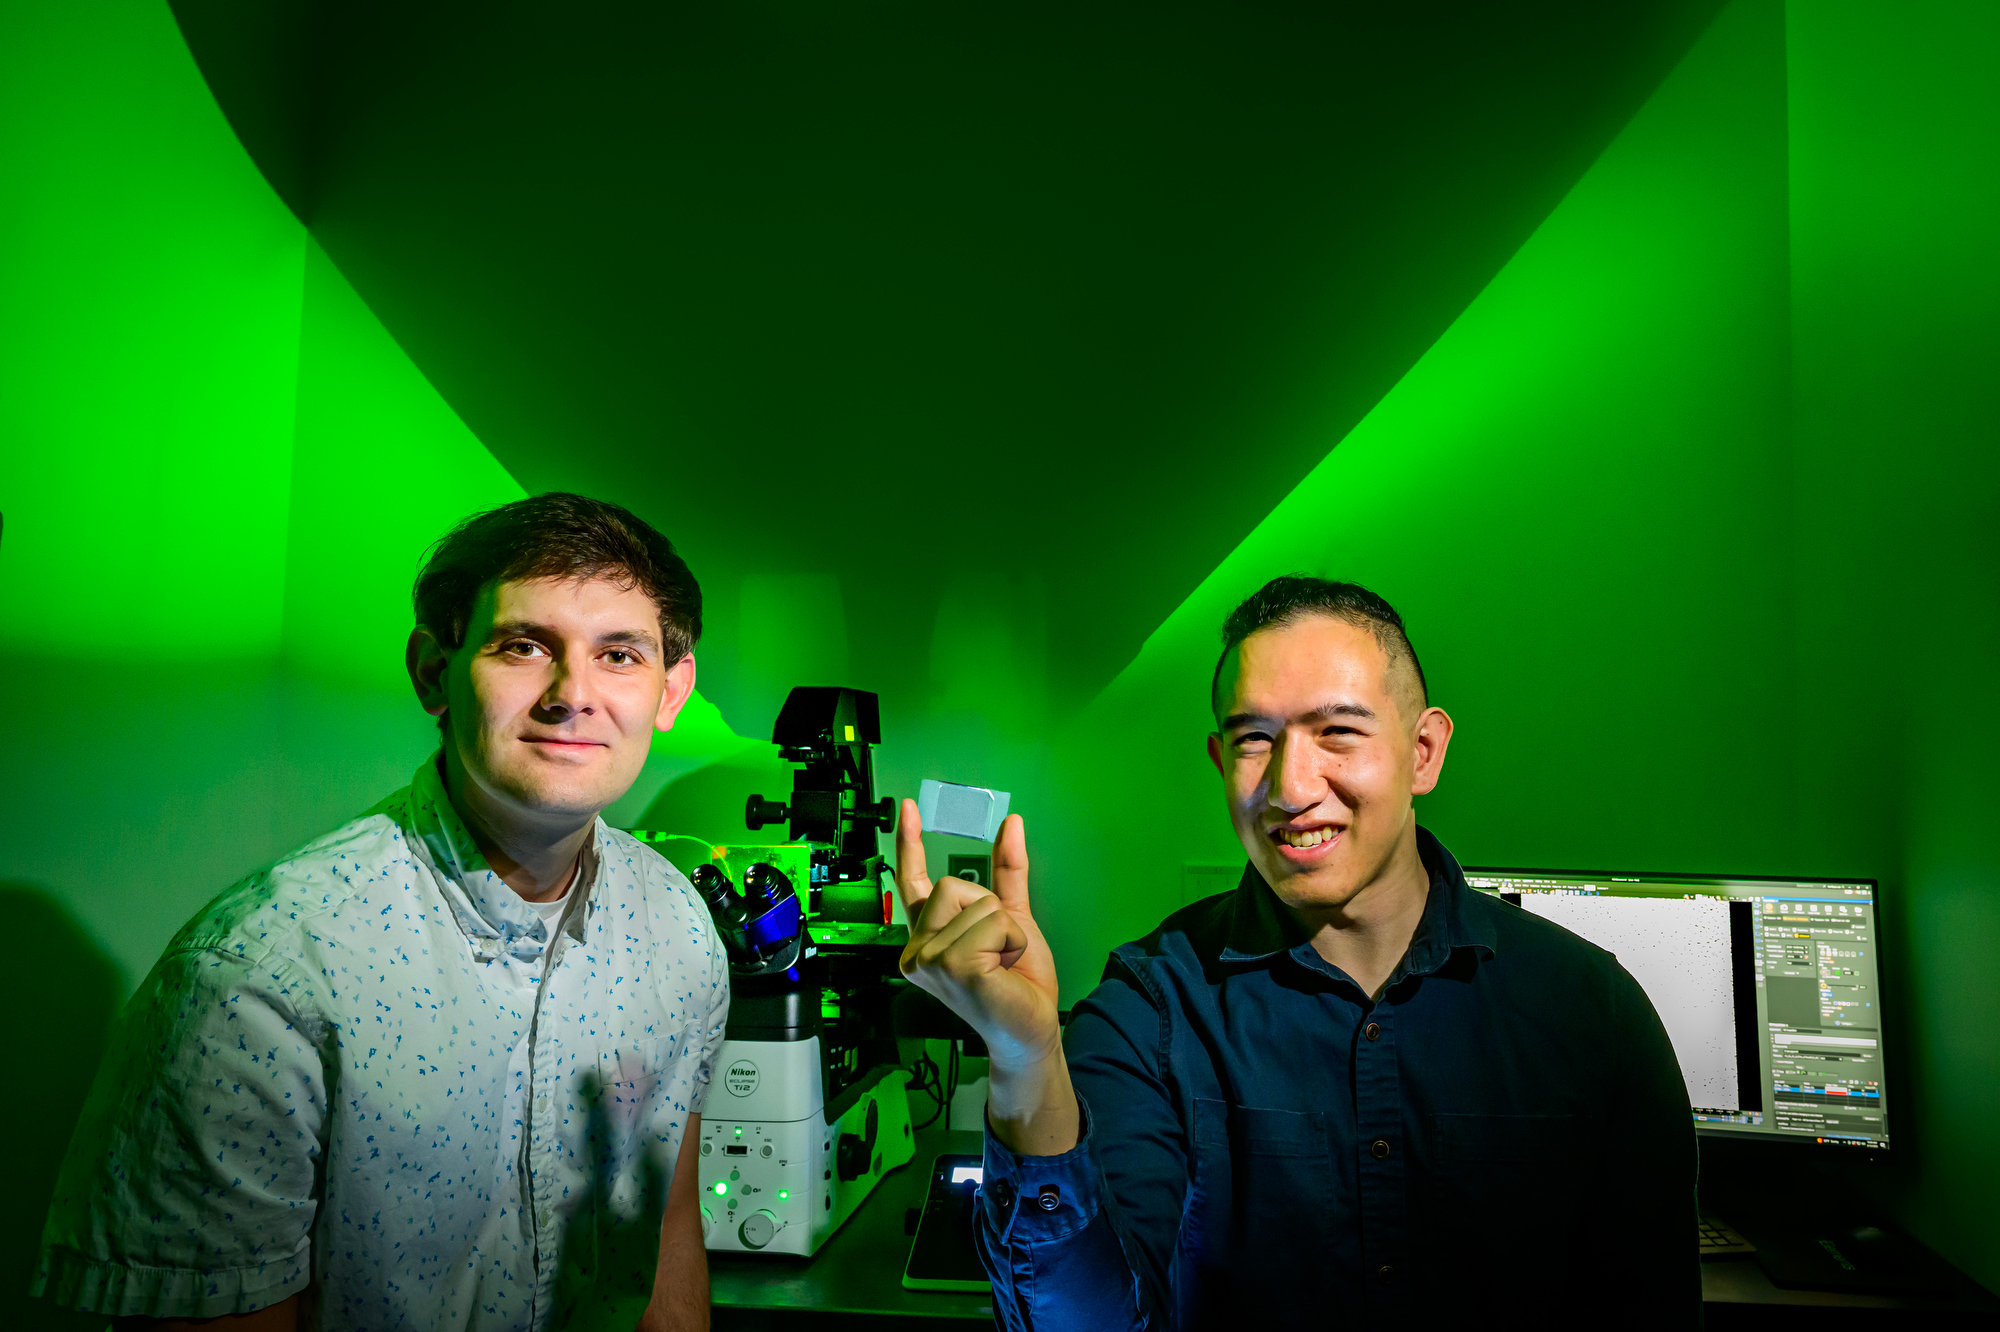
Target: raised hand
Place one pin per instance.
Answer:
(982, 954)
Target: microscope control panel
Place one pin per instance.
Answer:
(783, 1186)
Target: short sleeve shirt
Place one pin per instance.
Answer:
(370, 1073)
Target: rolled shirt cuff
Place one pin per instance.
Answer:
(1032, 1199)
(122, 1290)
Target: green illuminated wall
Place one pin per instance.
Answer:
(219, 473)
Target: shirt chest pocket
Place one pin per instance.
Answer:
(1258, 1202)
(1249, 1131)
(629, 1077)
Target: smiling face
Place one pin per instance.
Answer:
(1322, 741)
(553, 697)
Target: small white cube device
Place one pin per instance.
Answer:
(962, 811)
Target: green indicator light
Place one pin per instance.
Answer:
(783, 1194)
(739, 1130)
(721, 1187)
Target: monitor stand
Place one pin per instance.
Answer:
(1858, 1258)
(1815, 1218)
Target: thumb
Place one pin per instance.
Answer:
(1010, 865)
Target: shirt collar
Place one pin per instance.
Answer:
(1260, 928)
(492, 914)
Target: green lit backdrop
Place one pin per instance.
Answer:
(1665, 411)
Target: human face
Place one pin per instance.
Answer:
(553, 697)
(1319, 762)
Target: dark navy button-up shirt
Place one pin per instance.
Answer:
(1502, 1137)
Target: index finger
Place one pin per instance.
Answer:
(913, 884)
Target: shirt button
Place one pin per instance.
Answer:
(1003, 1193)
(1379, 1149)
(1373, 1031)
(1050, 1198)
(1386, 1275)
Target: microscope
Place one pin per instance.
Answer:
(808, 1109)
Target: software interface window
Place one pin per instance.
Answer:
(1768, 989)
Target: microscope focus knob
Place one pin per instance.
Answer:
(757, 1229)
(856, 1149)
(758, 811)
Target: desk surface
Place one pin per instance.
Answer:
(860, 1269)
(1738, 1279)
(1736, 1293)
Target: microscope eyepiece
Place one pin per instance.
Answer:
(714, 886)
(765, 885)
(772, 912)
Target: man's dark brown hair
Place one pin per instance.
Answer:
(557, 536)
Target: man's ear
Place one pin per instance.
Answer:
(427, 662)
(1432, 739)
(1215, 751)
(680, 687)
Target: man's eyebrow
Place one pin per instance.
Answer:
(525, 628)
(529, 629)
(1324, 712)
(1328, 711)
(638, 637)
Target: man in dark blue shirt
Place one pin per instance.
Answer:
(1352, 1092)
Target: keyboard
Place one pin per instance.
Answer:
(1715, 1238)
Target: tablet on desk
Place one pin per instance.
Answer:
(942, 1256)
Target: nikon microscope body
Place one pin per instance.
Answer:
(807, 1108)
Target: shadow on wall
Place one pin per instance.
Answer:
(64, 992)
(605, 1273)
(708, 804)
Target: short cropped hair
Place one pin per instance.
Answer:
(556, 536)
(1292, 597)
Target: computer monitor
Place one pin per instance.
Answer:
(1769, 989)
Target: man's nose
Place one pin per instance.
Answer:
(1296, 783)
(568, 691)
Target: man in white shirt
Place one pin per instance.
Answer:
(443, 1067)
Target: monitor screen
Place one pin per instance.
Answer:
(1768, 989)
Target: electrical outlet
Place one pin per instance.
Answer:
(973, 869)
(1199, 880)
